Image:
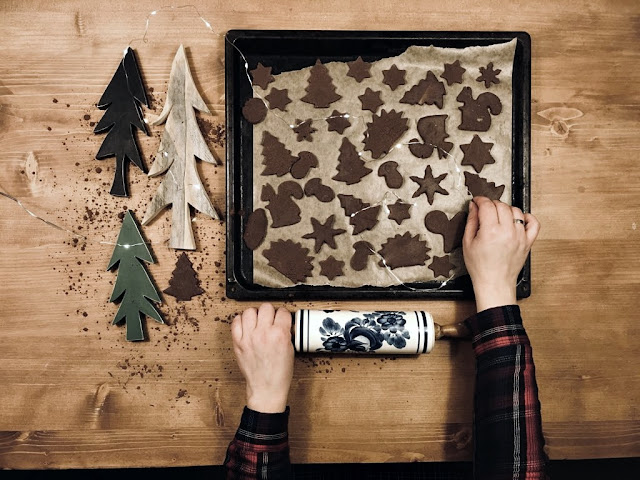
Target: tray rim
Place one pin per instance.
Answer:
(521, 178)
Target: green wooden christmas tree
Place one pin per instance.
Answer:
(133, 286)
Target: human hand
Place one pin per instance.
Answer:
(495, 248)
(263, 348)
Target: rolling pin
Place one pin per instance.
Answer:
(383, 332)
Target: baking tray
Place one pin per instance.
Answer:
(285, 50)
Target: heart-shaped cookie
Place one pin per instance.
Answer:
(451, 230)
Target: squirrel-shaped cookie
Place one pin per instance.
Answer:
(476, 114)
(283, 209)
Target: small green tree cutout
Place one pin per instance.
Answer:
(133, 286)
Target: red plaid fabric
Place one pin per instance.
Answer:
(260, 449)
(507, 423)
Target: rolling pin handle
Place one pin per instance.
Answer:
(456, 330)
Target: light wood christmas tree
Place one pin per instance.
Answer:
(181, 143)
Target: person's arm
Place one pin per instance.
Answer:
(508, 440)
(263, 348)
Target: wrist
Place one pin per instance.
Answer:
(496, 295)
(266, 403)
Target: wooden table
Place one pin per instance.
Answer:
(74, 393)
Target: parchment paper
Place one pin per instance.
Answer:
(372, 189)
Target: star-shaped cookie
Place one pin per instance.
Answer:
(331, 267)
(304, 130)
(399, 211)
(441, 266)
(278, 99)
(338, 122)
(477, 153)
(359, 69)
(370, 100)
(324, 233)
(261, 76)
(394, 77)
(429, 185)
(453, 72)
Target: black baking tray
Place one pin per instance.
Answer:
(285, 50)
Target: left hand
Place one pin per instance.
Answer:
(263, 348)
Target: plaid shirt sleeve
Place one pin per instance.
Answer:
(260, 449)
(507, 423)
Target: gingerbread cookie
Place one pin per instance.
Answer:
(477, 153)
(389, 170)
(321, 92)
(254, 110)
(394, 77)
(429, 185)
(290, 259)
(315, 188)
(324, 233)
(451, 230)
(429, 91)
(261, 76)
(255, 230)
(384, 131)
(331, 267)
(404, 251)
(361, 252)
(433, 131)
(476, 113)
(359, 69)
(283, 209)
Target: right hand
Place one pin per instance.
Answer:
(495, 249)
(263, 348)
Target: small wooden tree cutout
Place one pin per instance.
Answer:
(181, 142)
(133, 286)
(121, 100)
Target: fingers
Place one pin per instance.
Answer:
(236, 329)
(283, 318)
(266, 314)
(505, 214)
(487, 213)
(531, 227)
(471, 228)
(519, 226)
(249, 320)
(517, 213)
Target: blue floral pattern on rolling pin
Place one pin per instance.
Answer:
(364, 334)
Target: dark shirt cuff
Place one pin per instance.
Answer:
(264, 428)
(496, 327)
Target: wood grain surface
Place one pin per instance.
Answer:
(74, 393)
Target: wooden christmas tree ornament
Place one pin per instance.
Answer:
(181, 143)
(123, 115)
(133, 286)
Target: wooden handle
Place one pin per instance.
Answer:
(456, 330)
